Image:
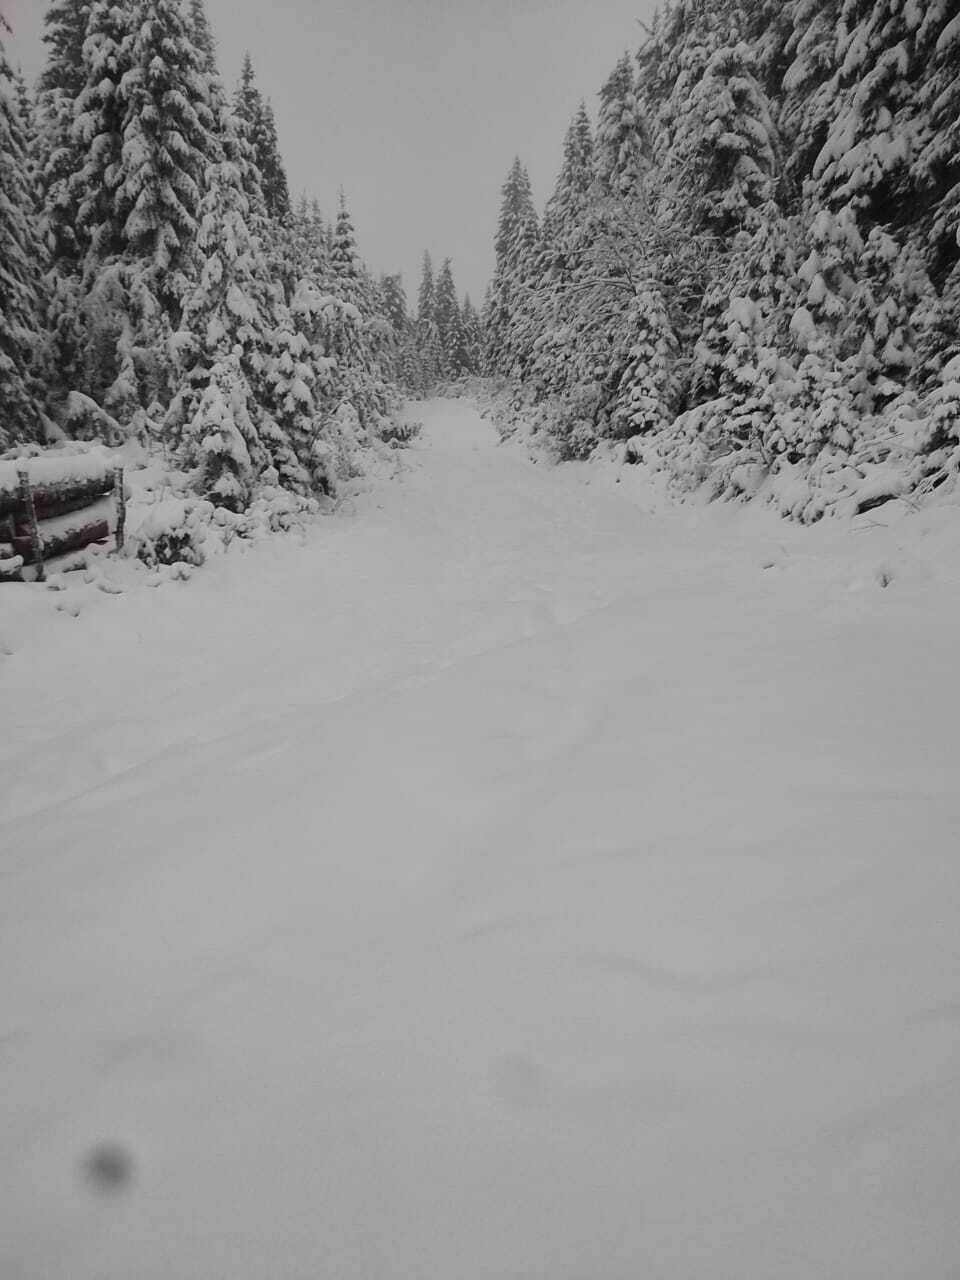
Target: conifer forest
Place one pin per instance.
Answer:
(479, 608)
(749, 259)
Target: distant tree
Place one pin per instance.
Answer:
(344, 263)
(426, 297)
(472, 328)
(395, 302)
(448, 322)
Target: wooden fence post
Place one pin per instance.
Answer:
(33, 529)
(121, 506)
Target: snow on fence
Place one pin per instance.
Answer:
(53, 507)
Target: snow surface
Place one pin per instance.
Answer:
(515, 877)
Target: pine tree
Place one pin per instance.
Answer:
(21, 263)
(935, 170)
(259, 128)
(65, 29)
(517, 226)
(472, 327)
(276, 189)
(168, 145)
(222, 347)
(344, 263)
(202, 37)
(622, 145)
(808, 91)
(724, 155)
(565, 207)
(395, 302)
(426, 297)
(448, 322)
(97, 133)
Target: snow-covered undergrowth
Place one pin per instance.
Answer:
(890, 463)
(518, 874)
(170, 532)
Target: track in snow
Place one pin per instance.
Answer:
(505, 882)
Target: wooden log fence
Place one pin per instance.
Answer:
(52, 507)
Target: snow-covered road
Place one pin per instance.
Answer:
(505, 883)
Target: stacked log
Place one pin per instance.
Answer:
(52, 506)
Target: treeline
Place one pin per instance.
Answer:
(443, 341)
(753, 255)
(154, 280)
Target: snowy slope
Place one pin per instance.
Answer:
(517, 878)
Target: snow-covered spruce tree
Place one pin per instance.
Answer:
(276, 188)
(561, 233)
(99, 117)
(202, 36)
(260, 129)
(472, 327)
(935, 167)
(642, 402)
(426, 294)
(59, 87)
(449, 323)
(168, 145)
(808, 92)
(622, 145)
(221, 348)
(299, 246)
(344, 263)
(427, 342)
(145, 132)
(21, 266)
(92, 337)
(723, 157)
(742, 375)
(518, 219)
(395, 302)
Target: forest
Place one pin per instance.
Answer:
(748, 268)
(158, 284)
(748, 271)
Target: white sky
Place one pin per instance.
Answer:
(416, 107)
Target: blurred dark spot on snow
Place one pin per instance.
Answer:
(109, 1168)
(519, 1081)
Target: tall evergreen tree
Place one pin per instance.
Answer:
(260, 129)
(426, 296)
(516, 231)
(65, 29)
(344, 263)
(622, 147)
(276, 189)
(202, 36)
(99, 117)
(395, 302)
(472, 327)
(566, 205)
(21, 262)
(724, 154)
(448, 321)
(168, 146)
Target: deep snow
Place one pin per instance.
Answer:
(517, 877)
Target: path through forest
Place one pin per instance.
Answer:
(509, 880)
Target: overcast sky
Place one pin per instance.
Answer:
(416, 107)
